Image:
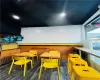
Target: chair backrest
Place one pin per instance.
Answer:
(18, 58)
(33, 51)
(43, 60)
(54, 52)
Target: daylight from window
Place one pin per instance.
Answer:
(94, 35)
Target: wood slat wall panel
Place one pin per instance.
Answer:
(63, 49)
(7, 53)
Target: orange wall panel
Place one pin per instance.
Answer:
(63, 49)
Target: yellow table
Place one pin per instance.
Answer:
(24, 54)
(49, 55)
(85, 73)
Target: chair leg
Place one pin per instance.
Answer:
(44, 68)
(31, 64)
(24, 74)
(67, 68)
(72, 76)
(40, 72)
(59, 62)
(33, 60)
(10, 68)
(21, 66)
(37, 57)
(58, 73)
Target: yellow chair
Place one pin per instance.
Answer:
(85, 73)
(49, 63)
(55, 52)
(74, 56)
(34, 52)
(20, 61)
(76, 62)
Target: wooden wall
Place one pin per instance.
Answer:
(8, 53)
(64, 49)
(6, 50)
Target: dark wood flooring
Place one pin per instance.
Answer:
(32, 74)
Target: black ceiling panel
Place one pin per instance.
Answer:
(36, 13)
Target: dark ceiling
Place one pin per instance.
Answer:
(35, 13)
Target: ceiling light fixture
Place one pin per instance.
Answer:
(18, 0)
(63, 14)
(16, 17)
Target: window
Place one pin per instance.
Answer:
(93, 37)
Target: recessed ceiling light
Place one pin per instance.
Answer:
(63, 14)
(18, 0)
(16, 17)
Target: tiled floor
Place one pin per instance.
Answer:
(32, 74)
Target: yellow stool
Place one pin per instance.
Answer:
(72, 56)
(76, 62)
(85, 73)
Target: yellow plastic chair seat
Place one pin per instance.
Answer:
(85, 73)
(50, 65)
(21, 62)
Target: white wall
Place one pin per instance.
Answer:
(54, 34)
